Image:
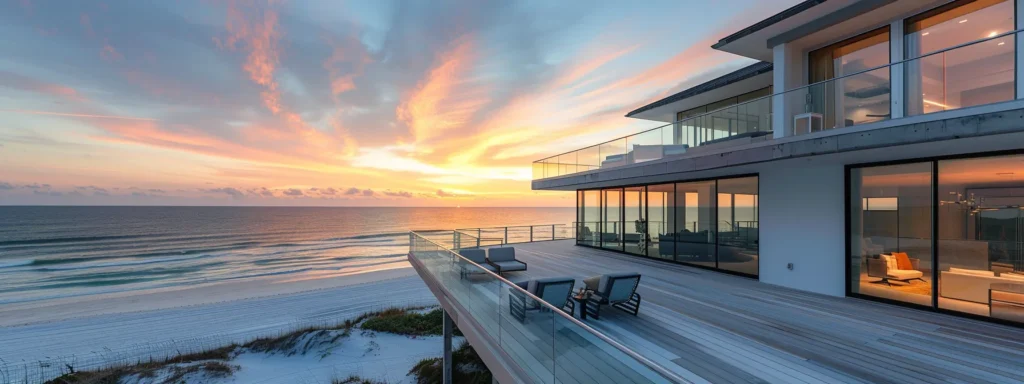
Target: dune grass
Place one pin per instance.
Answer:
(215, 363)
(467, 367)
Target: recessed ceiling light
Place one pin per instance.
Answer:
(925, 34)
(1001, 43)
(963, 21)
(993, 34)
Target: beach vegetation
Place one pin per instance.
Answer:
(467, 367)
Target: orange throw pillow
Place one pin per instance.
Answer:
(903, 261)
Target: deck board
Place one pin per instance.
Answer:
(728, 329)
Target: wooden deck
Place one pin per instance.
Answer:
(712, 327)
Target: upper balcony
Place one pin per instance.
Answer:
(960, 60)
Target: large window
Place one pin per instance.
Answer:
(856, 96)
(590, 218)
(891, 225)
(745, 116)
(738, 242)
(710, 223)
(635, 232)
(975, 74)
(661, 226)
(981, 233)
(975, 262)
(611, 222)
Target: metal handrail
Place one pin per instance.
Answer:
(622, 348)
(944, 50)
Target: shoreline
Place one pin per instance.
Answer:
(142, 324)
(74, 307)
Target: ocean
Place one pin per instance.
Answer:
(57, 252)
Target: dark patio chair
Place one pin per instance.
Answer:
(615, 289)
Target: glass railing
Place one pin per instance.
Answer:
(975, 73)
(549, 345)
(747, 119)
(481, 237)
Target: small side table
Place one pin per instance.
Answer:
(581, 300)
(1006, 301)
(807, 122)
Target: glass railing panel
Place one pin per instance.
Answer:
(538, 170)
(614, 154)
(544, 341)
(588, 158)
(568, 163)
(646, 146)
(967, 76)
(527, 334)
(581, 357)
(551, 168)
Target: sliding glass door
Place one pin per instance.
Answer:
(635, 238)
(661, 204)
(707, 223)
(946, 234)
(611, 222)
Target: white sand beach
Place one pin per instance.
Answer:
(128, 326)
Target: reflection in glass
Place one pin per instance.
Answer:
(660, 225)
(738, 242)
(635, 236)
(611, 223)
(695, 222)
(891, 252)
(860, 97)
(981, 236)
(591, 218)
(975, 74)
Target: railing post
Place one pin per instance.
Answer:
(531, 233)
(446, 376)
(505, 241)
(552, 231)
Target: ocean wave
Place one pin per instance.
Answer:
(72, 239)
(16, 263)
(369, 236)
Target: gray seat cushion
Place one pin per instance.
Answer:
(478, 256)
(501, 254)
(507, 266)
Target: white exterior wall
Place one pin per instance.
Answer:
(787, 73)
(802, 222)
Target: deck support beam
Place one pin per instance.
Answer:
(446, 362)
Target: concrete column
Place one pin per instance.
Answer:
(446, 362)
(1020, 49)
(896, 83)
(787, 73)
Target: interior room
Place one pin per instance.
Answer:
(978, 256)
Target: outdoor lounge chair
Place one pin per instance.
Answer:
(504, 260)
(556, 291)
(615, 289)
(478, 256)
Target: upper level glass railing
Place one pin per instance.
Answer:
(975, 73)
(548, 345)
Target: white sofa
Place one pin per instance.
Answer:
(972, 284)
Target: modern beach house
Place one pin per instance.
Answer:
(849, 208)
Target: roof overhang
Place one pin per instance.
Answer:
(816, 23)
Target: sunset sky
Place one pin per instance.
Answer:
(364, 103)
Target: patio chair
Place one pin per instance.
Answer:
(503, 259)
(615, 289)
(478, 256)
(556, 291)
